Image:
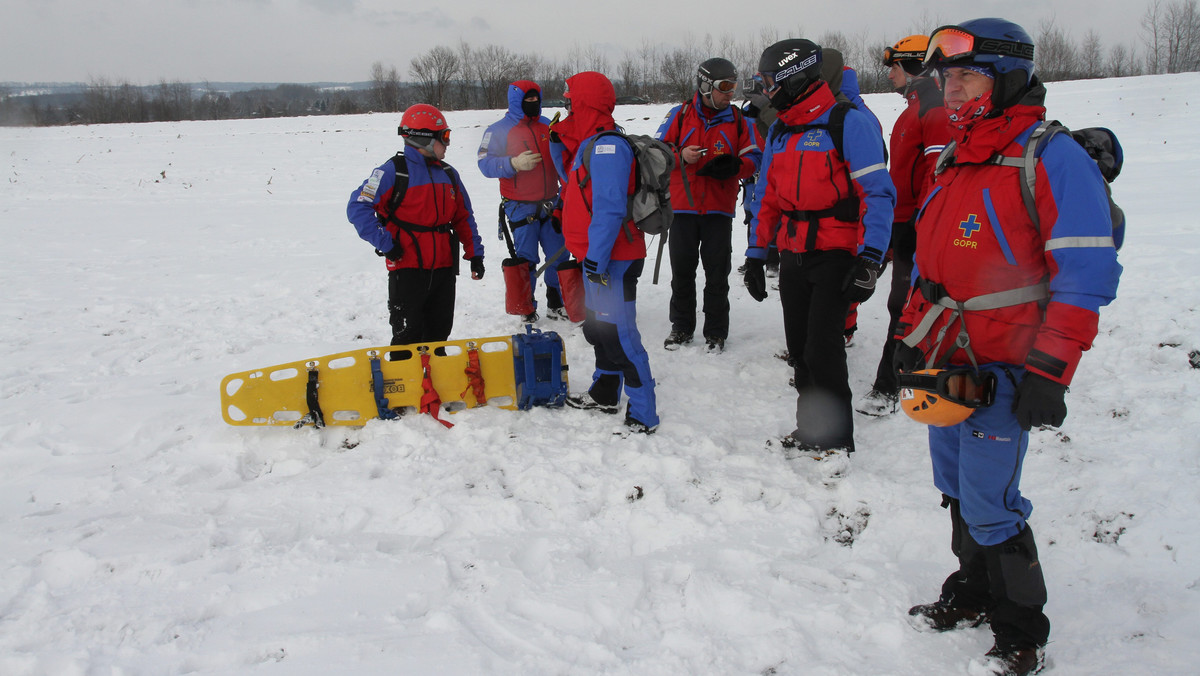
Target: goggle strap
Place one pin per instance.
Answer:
(939, 383)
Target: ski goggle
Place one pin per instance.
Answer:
(766, 82)
(964, 387)
(442, 135)
(725, 86)
(952, 42)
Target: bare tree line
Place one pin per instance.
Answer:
(467, 77)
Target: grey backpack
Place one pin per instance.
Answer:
(654, 160)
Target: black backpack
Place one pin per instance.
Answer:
(401, 185)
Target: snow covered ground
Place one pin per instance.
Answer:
(139, 534)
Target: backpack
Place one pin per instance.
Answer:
(848, 208)
(401, 186)
(1101, 145)
(650, 203)
(836, 126)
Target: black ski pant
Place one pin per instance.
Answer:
(1003, 581)
(904, 247)
(694, 240)
(814, 314)
(421, 304)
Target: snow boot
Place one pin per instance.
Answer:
(966, 599)
(677, 339)
(554, 304)
(944, 616)
(636, 426)
(1014, 661)
(877, 404)
(604, 395)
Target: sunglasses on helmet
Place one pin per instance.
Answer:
(964, 387)
(891, 55)
(952, 42)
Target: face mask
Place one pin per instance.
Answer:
(970, 111)
(531, 108)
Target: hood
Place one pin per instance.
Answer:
(516, 98)
(592, 99)
(833, 70)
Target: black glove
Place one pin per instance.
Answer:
(721, 167)
(907, 359)
(860, 281)
(1039, 401)
(396, 252)
(592, 270)
(477, 267)
(556, 220)
(755, 279)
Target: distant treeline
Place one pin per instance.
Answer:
(101, 101)
(466, 77)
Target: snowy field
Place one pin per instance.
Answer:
(139, 534)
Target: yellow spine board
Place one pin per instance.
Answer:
(276, 395)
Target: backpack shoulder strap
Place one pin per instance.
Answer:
(1026, 164)
(452, 173)
(586, 156)
(401, 185)
(945, 158)
(837, 125)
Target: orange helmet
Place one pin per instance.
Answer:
(909, 52)
(422, 123)
(944, 397)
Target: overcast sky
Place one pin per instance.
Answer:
(145, 41)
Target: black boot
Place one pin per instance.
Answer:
(965, 600)
(1016, 661)
(604, 395)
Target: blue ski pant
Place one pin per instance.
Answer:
(978, 462)
(611, 329)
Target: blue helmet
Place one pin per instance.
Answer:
(998, 44)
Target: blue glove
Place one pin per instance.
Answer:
(591, 269)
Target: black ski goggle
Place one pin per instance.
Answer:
(964, 387)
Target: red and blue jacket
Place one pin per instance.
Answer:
(811, 198)
(721, 132)
(509, 137)
(975, 237)
(435, 208)
(920, 134)
(596, 223)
